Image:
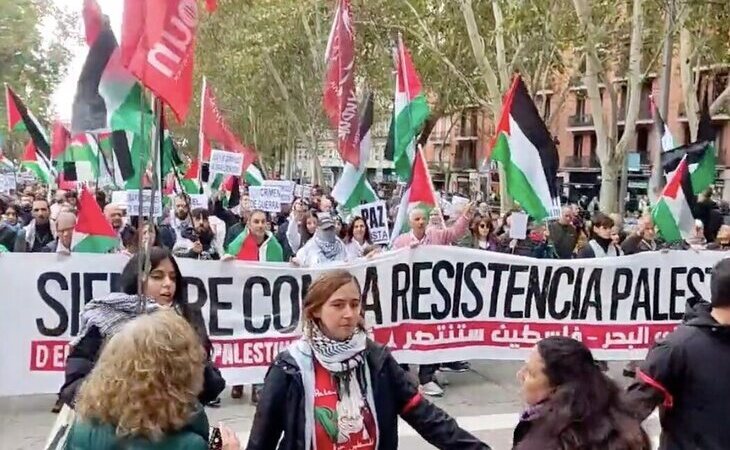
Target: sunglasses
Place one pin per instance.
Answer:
(482, 225)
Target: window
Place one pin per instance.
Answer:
(580, 104)
(719, 83)
(578, 145)
(466, 155)
(642, 144)
(594, 144)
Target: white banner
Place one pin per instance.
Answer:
(286, 190)
(265, 198)
(376, 217)
(227, 163)
(428, 305)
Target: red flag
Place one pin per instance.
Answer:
(213, 128)
(340, 99)
(158, 45)
(93, 20)
(60, 140)
(211, 5)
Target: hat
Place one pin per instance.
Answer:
(325, 221)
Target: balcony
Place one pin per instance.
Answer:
(581, 162)
(644, 117)
(723, 114)
(580, 121)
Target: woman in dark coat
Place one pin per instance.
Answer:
(572, 404)
(336, 388)
(103, 317)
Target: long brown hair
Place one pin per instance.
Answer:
(321, 290)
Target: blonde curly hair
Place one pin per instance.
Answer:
(147, 379)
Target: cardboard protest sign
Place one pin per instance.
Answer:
(227, 163)
(265, 198)
(376, 217)
(286, 189)
(130, 200)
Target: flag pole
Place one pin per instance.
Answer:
(141, 279)
(201, 137)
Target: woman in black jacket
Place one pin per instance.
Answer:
(103, 317)
(572, 404)
(335, 386)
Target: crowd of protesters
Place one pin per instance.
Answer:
(571, 402)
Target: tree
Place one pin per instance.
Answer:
(703, 41)
(29, 61)
(601, 66)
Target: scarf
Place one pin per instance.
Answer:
(604, 247)
(345, 360)
(330, 246)
(109, 313)
(30, 232)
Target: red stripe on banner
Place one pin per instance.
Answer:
(48, 356)
(412, 403)
(668, 398)
(518, 335)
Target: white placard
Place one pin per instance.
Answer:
(518, 229)
(376, 218)
(119, 198)
(228, 163)
(298, 190)
(7, 182)
(459, 203)
(132, 201)
(265, 198)
(307, 192)
(286, 189)
(198, 201)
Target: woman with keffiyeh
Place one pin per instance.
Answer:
(335, 389)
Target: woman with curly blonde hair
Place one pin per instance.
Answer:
(143, 392)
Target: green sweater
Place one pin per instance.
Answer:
(98, 436)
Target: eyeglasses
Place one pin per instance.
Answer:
(482, 225)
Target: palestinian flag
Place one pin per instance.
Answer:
(353, 187)
(109, 98)
(528, 154)
(245, 248)
(92, 233)
(254, 176)
(33, 162)
(418, 194)
(84, 154)
(673, 213)
(410, 112)
(701, 160)
(20, 118)
(189, 181)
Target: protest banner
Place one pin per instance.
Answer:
(376, 218)
(265, 198)
(130, 200)
(286, 190)
(227, 163)
(428, 305)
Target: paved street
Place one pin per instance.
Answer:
(485, 401)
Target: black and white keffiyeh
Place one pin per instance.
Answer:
(109, 313)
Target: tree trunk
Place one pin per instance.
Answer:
(609, 186)
(490, 79)
(689, 91)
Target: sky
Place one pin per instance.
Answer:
(62, 98)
